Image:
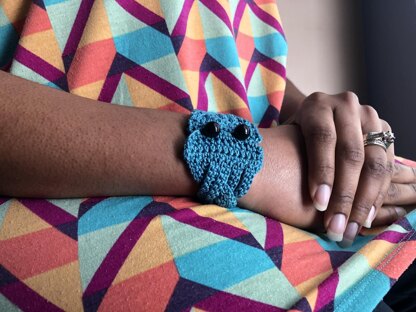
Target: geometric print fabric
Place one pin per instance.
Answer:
(163, 253)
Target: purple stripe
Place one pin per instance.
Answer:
(180, 27)
(275, 67)
(238, 15)
(202, 92)
(3, 200)
(249, 73)
(232, 82)
(274, 234)
(78, 26)
(326, 291)
(38, 65)
(140, 12)
(391, 236)
(156, 83)
(222, 301)
(190, 217)
(266, 17)
(219, 11)
(48, 211)
(109, 88)
(116, 257)
(26, 299)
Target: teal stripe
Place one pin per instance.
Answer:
(9, 39)
(112, 211)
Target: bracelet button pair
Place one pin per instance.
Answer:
(213, 129)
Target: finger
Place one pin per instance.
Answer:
(348, 163)
(320, 136)
(401, 194)
(389, 171)
(388, 215)
(403, 174)
(373, 175)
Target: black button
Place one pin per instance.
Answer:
(211, 129)
(241, 132)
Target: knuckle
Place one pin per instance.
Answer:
(370, 112)
(343, 199)
(380, 199)
(316, 96)
(361, 210)
(353, 155)
(323, 135)
(350, 97)
(390, 168)
(397, 169)
(385, 125)
(393, 192)
(326, 170)
(375, 167)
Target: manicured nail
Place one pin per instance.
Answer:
(336, 227)
(349, 235)
(401, 212)
(321, 199)
(370, 218)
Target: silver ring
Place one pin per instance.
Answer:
(383, 139)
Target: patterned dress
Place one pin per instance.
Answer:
(168, 253)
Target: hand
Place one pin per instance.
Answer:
(401, 194)
(345, 179)
(280, 189)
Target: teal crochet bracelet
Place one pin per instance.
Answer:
(223, 155)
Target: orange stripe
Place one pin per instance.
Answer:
(38, 252)
(141, 290)
(91, 63)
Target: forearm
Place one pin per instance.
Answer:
(54, 144)
(291, 102)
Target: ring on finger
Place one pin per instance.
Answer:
(383, 139)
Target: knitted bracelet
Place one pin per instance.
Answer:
(223, 155)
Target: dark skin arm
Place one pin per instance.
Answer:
(57, 145)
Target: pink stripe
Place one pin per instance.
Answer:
(117, 255)
(180, 27)
(48, 211)
(78, 26)
(190, 217)
(266, 17)
(218, 10)
(274, 234)
(156, 83)
(326, 291)
(109, 88)
(140, 12)
(3, 200)
(232, 82)
(38, 65)
(202, 92)
(222, 301)
(26, 299)
(249, 73)
(239, 15)
(392, 237)
(275, 67)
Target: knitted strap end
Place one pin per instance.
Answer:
(223, 155)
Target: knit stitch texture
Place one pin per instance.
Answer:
(223, 166)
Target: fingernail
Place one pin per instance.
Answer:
(400, 211)
(321, 199)
(349, 235)
(336, 227)
(370, 218)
